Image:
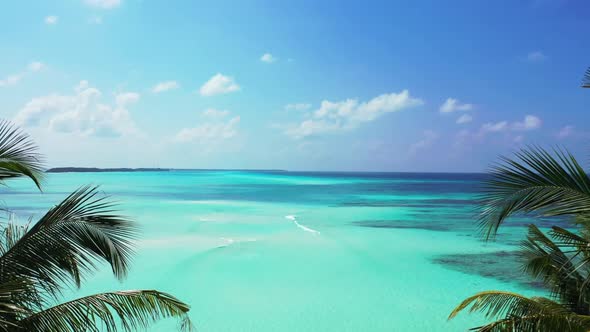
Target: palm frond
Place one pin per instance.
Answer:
(18, 155)
(132, 310)
(535, 181)
(11, 232)
(582, 222)
(496, 304)
(540, 322)
(14, 304)
(560, 273)
(64, 245)
(514, 312)
(586, 79)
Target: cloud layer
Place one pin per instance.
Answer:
(268, 58)
(81, 113)
(219, 84)
(453, 105)
(13, 79)
(465, 118)
(165, 86)
(298, 107)
(536, 56)
(349, 114)
(103, 4)
(51, 19)
(213, 130)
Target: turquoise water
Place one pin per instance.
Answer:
(286, 251)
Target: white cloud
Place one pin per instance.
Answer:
(530, 122)
(126, 98)
(11, 80)
(82, 113)
(165, 86)
(508, 131)
(103, 4)
(536, 56)
(428, 138)
(349, 114)
(465, 118)
(209, 132)
(16, 78)
(35, 66)
(82, 85)
(95, 19)
(566, 131)
(494, 127)
(297, 107)
(268, 58)
(214, 113)
(219, 84)
(452, 105)
(52, 19)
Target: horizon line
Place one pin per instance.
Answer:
(76, 169)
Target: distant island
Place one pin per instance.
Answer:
(97, 170)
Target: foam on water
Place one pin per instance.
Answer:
(229, 241)
(305, 228)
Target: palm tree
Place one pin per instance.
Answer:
(559, 261)
(535, 182)
(62, 249)
(540, 183)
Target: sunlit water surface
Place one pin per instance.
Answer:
(289, 251)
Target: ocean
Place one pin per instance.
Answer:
(302, 251)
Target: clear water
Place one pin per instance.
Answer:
(288, 251)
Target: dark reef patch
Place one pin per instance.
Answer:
(402, 224)
(501, 265)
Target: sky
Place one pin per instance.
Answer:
(422, 86)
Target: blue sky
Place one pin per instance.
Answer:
(298, 85)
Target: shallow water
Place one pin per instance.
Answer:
(302, 251)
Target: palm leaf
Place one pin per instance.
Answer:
(11, 232)
(132, 310)
(514, 312)
(12, 306)
(560, 273)
(497, 304)
(18, 155)
(65, 244)
(539, 322)
(586, 79)
(534, 182)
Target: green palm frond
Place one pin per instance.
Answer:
(496, 304)
(38, 260)
(18, 155)
(535, 181)
(65, 244)
(514, 312)
(561, 273)
(11, 233)
(586, 79)
(580, 244)
(131, 310)
(533, 323)
(569, 239)
(12, 306)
